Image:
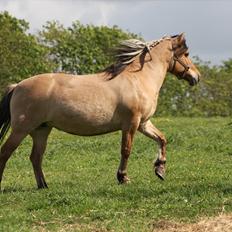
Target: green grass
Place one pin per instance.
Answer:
(83, 193)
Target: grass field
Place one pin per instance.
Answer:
(83, 193)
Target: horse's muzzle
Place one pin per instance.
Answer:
(194, 80)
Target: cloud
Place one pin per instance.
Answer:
(37, 12)
(206, 23)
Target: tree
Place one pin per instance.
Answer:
(81, 49)
(211, 97)
(21, 55)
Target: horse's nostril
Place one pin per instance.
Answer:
(193, 81)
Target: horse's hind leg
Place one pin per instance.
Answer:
(39, 137)
(8, 148)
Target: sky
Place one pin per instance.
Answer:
(207, 23)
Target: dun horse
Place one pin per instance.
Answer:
(122, 97)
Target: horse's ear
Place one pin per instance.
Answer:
(179, 44)
(181, 38)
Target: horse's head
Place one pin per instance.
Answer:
(180, 64)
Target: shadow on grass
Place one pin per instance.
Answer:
(9, 190)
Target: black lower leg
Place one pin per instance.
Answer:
(42, 183)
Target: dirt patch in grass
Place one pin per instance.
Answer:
(222, 223)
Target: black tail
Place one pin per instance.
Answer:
(5, 113)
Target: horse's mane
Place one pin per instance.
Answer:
(127, 52)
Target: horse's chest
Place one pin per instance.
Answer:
(149, 109)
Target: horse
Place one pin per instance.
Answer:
(121, 97)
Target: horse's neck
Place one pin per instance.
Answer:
(153, 75)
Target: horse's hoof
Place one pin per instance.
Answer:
(125, 180)
(122, 178)
(160, 172)
(159, 166)
(42, 185)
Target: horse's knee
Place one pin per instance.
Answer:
(163, 140)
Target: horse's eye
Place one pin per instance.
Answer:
(186, 54)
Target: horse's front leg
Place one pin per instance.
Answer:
(152, 132)
(126, 144)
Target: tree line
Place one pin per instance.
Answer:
(82, 49)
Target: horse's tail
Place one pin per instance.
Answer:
(5, 111)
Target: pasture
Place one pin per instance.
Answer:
(83, 193)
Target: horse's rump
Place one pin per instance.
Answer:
(5, 112)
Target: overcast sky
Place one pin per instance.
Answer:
(206, 23)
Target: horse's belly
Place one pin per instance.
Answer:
(86, 128)
(80, 123)
(89, 109)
